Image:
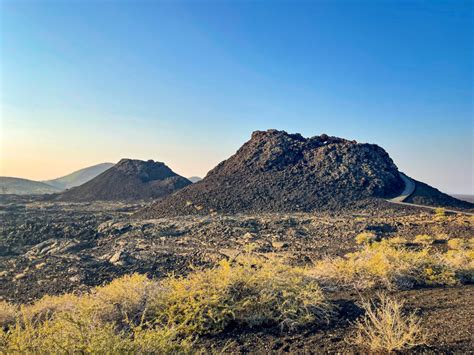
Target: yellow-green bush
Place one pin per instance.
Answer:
(462, 262)
(135, 314)
(423, 239)
(249, 292)
(365, 238)
(440, 213)
(397, 241)
(383, 264)
(109, 319)
(457, 243)
(386, 327)
(8, 313)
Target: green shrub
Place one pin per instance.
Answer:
(397, 241)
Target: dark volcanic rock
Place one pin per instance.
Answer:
(279, 172)
(426, 195)
(128, 180)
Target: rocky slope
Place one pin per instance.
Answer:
(128, 180)
(278, 172)
(426, 195)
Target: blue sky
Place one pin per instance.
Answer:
(186, 83)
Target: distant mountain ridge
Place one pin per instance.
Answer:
(79, 177)
(194, 179)
(465, 197)
(128, 180)
(19, 186)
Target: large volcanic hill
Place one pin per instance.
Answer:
(128, 180)
(279, 172)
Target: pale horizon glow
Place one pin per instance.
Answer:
(186, 83)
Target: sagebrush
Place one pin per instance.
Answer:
(136, 314)
(393, 266)
(385, 326)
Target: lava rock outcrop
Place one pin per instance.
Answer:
(279, 172)
(128, 180)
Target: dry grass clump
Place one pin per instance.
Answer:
(365, 238)
(397, 241)
(250, 292)
(423, 239)
(462, 261)
(135, 314)
(457, 244)
(385, 327)
(8, 313)
(383, 264)
(109, 319)
(440, 214)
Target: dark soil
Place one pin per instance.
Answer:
(128, 180)
(447, 315)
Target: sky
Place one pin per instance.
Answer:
(186, 82)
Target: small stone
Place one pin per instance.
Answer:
(279, 245)
(20, 276)
(40, 265)
(74, 278)
(116, 257)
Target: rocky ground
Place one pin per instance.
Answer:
(447, 316)
(56, 247)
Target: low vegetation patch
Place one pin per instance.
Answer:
(250, 292)
(440, 214)
(8, 313)
(393, 266)
(386, 327)
(365, 238)
(457, 244)
(135, 314)
(423, 239)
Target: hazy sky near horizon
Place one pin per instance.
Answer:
(186, 82)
